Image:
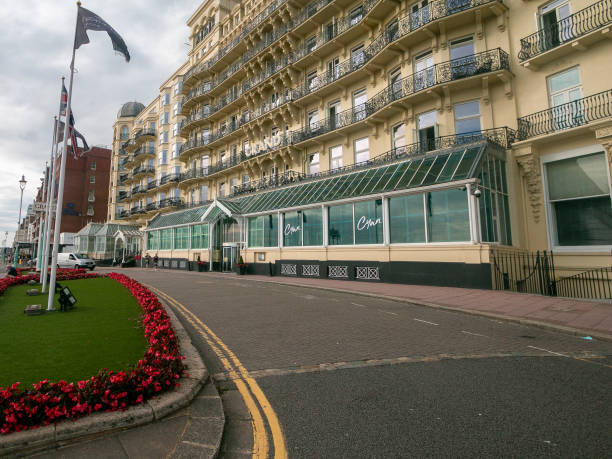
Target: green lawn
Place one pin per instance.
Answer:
(102, 331)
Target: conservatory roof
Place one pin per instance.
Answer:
(442, 167)
(90, 229)
(181, 217)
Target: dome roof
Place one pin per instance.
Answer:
(130, 109)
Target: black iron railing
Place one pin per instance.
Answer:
(499, 137)
(145, 132)
(122, 196)
(566, 116)
(170, 178)
(152, 184)
(524, 272)
(195, 173)
(593, 284)
(169, 202)
(574, 26)
(476, 64)
(143, 170)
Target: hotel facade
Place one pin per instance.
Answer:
(377, 140)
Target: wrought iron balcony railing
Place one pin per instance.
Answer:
(122, 214)
(405, 25)
(566, 116)
(485, 62)
(574, 26)
(145, 132)
(198, 172)
(499, 137)
(169, 202)
(122, 196)
(170, 178)
(143, 170)
(152, 185)
(145, 150)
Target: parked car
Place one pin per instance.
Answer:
(74, 260)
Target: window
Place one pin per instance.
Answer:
(204, 193)
(153, 240)
(335, 157)
(177, 170)
(311, 44)
(263, 231)
(181, 237)
(368, 217)
(362, 150)
(313, 120)
(292, 229)
(333, 69)
(359, 105)
(407, 219)
(356, 15)
(467, 117)
(313, 164)
(447, 216)
(419, 14)
(233, 184)
(463, 63)
(165, 99)
(312, 225)
(163, 157)
(427, 130)
(565, 88)
(163, 118)
(424, 75)
(311, 80)
(555, 23)
(395, 83)
(199, 236)
(165, 242)
(90, 210)
(93, 165)
(357, 56)
(333, 112)
(398, 138)
(91, 197)
(245, 178)
(175, 129)
(125, 133)
(392, 30)
(579, 201)
(341, 224)
(221, 189)
(92, 179)
(493, 202)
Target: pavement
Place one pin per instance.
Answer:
(354, 369)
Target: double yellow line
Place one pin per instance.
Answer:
(254, 398)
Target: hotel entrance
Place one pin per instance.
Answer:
(225, 244)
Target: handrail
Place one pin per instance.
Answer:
(566, 116)
(567, 29)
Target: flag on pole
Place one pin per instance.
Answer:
(63, 101)
(73, 134)
(86, 20)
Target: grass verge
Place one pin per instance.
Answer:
(102, 331)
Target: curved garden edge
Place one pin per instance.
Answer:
(60, 433)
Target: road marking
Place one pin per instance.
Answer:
(475, 334)
(241, 378)
(546, 350)
(360, 305)
(388, 312)
(426, 322)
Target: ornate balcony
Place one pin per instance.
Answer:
(169, 202)
(122, 196)
(578, 29)
(145, 134)
(498, 138)
(194, 119)
(122, 214)
(138, 190)
(143, 171)
(144, 152)
(167, 180)
(457, 69)
(574, 114)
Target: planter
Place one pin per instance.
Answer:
(202, 267)
(242, 269)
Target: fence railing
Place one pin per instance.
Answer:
(529, 272)
(574, 26)
(566, 116)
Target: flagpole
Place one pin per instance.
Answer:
(60, 191)
(41, 219)
(50, 193)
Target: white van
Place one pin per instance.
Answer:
(74, 260)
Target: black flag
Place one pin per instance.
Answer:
(86, 20)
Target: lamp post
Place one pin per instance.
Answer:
(22, 185)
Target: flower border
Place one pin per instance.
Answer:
(158, 370)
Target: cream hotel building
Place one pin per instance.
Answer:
(393, 140)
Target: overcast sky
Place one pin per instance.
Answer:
(35, 50)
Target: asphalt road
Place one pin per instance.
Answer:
(353, 376)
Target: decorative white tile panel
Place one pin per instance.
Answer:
(367, 272)
(338, 271)
(288, 270)
(310, 270)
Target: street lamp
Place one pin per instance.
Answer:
(22, 185)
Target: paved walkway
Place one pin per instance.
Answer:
(579, 316)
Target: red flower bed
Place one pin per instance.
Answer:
(62, 274)
(158, 370)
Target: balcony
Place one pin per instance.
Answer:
(169, 202)
(145, 134)
(198, 118)
(123, 179)
(578, 30)
(138, 190)
(122, 196)
(168, 179)
(563, 117)
(122, 214)
(144, 152)
(143, 171)
(193, 174)
(130, 146)
(459, 72)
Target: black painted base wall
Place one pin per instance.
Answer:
(465, 275)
